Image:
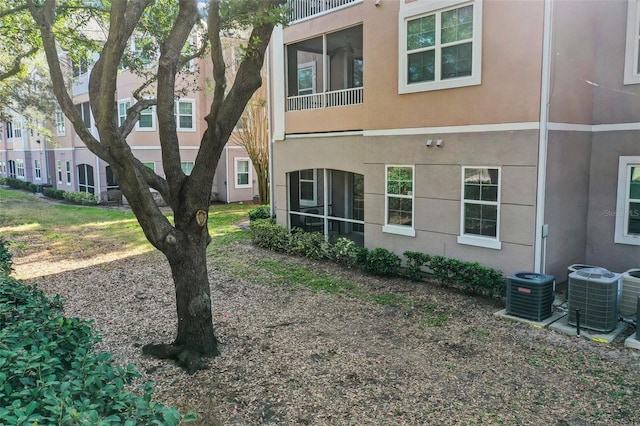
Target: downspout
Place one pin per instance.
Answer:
(98, 186)
(276, 106)
(226, 167)
(272, 209)
(541, 228)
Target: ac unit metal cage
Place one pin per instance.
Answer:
(530, 295)
(594, 291)
(630, 292)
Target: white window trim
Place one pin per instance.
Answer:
(37, 169)
(302, 66)
(59, 171)
(126, 101)
(622, 203)
(235, 180)
(413, 10)
(68, 172)
(61, 126)
(20, 167)
(193, 114)
(631, 75)
(408, 231)
(153, 121)
(308, 203)
(480, 240)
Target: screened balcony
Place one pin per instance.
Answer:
(327, 201)
(326, 71)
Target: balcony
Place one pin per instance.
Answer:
(326, 71)
(303, 9)
(334, 98)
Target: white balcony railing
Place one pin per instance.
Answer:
(334, 98)
(301, 9)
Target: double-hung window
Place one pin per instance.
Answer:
(146, 122)
(243, 173)
(480, 210)
(440, 45)
(68, 171)
(20, 168)
(308, 185)
(632, 51)
(399, 200)
(59, 169)
(123, 106)
(627, 228)
(184, 110)
(37, 169)
(60, 124)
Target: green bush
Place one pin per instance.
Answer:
(472, 277)
(416, 261)
(84, 198)
(3, 181)
(270, 235)
(50, 374)
(309, 244)
(6, 260)
(20, 184)
(346, 251)
(58, 194)
(260, 212)
(382, 262)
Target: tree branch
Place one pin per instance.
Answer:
(17, 64)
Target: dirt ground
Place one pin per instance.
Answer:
(302, 357)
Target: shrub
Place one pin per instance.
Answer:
(415, 262)
(51, 374)
(346, 251)
(84, 198)
(309, 244)
(260, 212)
(382, 262)
(270, 235)
(58, 194)
(20, 184)
(3, 181)
(6, 260)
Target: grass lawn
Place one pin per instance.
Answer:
(34, 225)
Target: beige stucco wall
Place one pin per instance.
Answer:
(573, 58)
(510, 86)
(601, 250)
(566, 200)
(437, 187)
(614, 102)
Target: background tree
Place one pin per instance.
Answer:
(184, 241)
(254, 137)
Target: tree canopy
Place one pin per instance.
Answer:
(161, 32)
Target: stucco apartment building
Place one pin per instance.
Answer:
(503, 132)
(64, 162)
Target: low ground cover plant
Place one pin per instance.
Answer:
(50, 373)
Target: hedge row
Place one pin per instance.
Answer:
(50, 374)
(18, 184)
(472, 277)
(75, 197)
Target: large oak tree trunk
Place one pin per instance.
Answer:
(193, 300)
